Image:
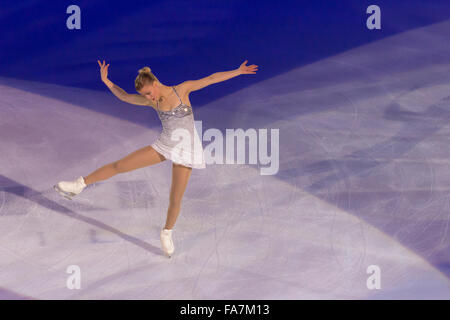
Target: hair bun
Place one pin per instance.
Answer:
(145, 70)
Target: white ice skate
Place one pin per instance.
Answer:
(167, 242)
(69, 189)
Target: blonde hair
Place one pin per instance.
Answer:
(145, 76)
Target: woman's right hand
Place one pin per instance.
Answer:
(103, 70)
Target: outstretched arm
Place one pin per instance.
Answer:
(193, 85)
(119, 92)
(127, 97)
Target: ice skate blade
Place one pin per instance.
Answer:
(67, 195)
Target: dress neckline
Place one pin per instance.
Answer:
(181, 103)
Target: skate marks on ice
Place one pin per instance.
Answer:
(37, 211)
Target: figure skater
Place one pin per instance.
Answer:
(175, 112)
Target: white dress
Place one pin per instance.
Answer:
(179, 140)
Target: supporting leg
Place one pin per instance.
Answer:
(180, 178)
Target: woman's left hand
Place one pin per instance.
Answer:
(243, 69)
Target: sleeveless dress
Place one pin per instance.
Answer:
(179, 140)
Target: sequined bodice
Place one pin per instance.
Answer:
(179, 111)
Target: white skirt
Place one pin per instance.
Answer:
(181, 149)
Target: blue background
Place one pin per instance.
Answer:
(183, 40)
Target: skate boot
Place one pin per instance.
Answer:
(69, 189)
(167, 242)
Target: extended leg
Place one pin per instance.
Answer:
(140, 158)
(180, 178)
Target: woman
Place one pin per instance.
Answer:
(178, 141)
